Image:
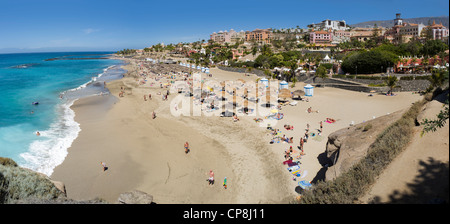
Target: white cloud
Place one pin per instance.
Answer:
(90, 30)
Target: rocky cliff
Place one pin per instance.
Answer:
(347, 146)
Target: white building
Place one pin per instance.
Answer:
(330, 24)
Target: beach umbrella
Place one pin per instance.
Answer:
(268, 95)
(227, 114)
(284, 93)
(298, 93)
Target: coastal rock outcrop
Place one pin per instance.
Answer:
(345, 147)
(135, 197)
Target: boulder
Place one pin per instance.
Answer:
(135, 197)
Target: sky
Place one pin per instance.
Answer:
(78, 25)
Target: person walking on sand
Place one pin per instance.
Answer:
(211, 177)
(186, 147)
(104, 166)
(153, 115)
(225, 182)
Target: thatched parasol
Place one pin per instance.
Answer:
(284, 93)
(298, 93)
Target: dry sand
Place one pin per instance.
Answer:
(148, 155)
(420, 172)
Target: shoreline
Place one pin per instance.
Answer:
(148, 155)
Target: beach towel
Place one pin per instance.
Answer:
(296, 173)
(293, 168)
(304, 184)
(287, 162)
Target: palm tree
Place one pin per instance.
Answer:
(293, 66)
(391, 82)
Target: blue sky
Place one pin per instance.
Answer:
(32, 25)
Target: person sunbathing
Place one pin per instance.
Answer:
(288, 127)
(330, 120)
(310, 110)
(235, 118)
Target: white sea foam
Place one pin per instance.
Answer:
(93, 79)
(51, 149)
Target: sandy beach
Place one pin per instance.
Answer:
(148, 154)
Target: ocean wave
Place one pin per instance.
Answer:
(22, 66)
(51, 150)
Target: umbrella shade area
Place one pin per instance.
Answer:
(227, 114)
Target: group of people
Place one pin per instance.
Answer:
(149, 97)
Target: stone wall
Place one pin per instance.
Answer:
(242, 70)
(404, 85)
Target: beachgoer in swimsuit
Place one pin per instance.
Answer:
(211, 177)
(186, 147)
(104, 166)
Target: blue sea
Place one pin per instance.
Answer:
(37, 90)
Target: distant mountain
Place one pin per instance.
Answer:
(390, 23)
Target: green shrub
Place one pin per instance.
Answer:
(367, 127)
(7, 162)
(17, 183)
